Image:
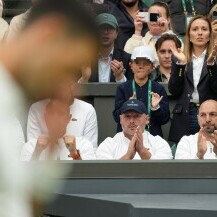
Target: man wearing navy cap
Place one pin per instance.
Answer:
(112, 65)
(134, 142)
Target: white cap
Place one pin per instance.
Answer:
(143, 52)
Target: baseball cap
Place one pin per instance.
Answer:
(106, 18)
(143, 52)
(134, 105)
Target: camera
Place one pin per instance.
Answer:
(149, 17)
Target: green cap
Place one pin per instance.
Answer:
(106, 18)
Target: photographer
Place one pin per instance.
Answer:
(156, 28)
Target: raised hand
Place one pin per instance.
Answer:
(70, 143)
(118, 69)
(138, 23)
(212, 56)
(177, 52)
(201, 144)
(155, 100)
(131, 151)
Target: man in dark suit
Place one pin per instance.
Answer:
(112, 64)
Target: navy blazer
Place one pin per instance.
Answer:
(119, 55)
(181, 86)
(158, 117)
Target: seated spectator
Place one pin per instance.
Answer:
(203, 144)
(151, 93)
(134, 142)
(179, 10)
(125, 12)
(113, 64)
(57, 145)
(83, 122)
(156, 29)
(162, 72)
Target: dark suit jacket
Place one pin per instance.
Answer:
(119, 55)
(159, 117)
(181, 87)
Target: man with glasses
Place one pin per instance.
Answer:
(112, 64)
(202, 145)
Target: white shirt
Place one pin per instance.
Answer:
(187, 148)
(83, 122)
(197, 69)
(104, 69)
(114, 148)
(84, 146)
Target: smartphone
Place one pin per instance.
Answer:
(214, 15)
(145, 16)
(154, 17)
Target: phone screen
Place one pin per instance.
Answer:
(154, 17)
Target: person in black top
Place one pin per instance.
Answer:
(151, 93)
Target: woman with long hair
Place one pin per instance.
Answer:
(193, 78)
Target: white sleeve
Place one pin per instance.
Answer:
(85, 148)
(91, 128)
(160, 149)
(133, 42)
(33, 126)
(28, 149)
(105, 150)
(183, 150)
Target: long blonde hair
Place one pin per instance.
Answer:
(188, 48)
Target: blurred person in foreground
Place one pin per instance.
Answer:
(58, 38)
(66, 146)
(203, 144)
(134, 142)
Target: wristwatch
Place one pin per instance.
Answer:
(75, 155)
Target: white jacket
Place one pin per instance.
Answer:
(187, 148)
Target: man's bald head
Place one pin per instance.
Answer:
(207, 116)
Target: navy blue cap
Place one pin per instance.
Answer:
(134, 105)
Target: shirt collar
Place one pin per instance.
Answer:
(201, 56)
(110, 54)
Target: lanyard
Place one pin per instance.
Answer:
(149, 98)
(185, 7)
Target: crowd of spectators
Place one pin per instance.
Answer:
(141, 44)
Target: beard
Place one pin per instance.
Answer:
(208, 129)
(129, 4)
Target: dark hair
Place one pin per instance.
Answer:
(166, 37)
(78, 19)
(163, 5)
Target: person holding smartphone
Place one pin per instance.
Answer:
(156, 27)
